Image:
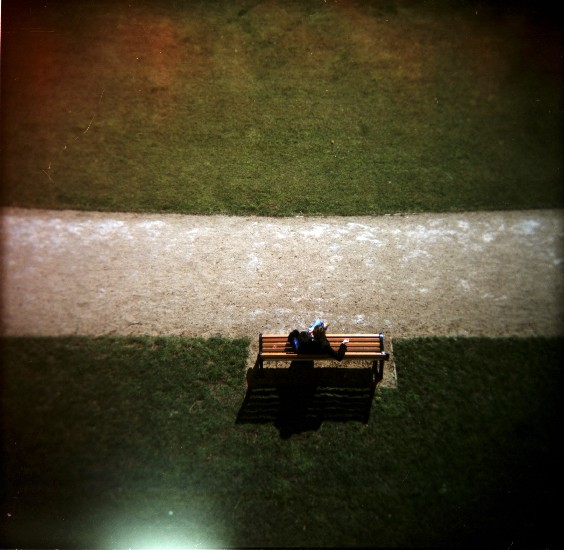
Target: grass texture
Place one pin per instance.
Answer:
(139, 443)
(279, 107)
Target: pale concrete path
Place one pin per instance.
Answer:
(493, 273)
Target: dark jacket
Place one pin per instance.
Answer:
(303, 343)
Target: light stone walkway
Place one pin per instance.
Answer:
(462, 274)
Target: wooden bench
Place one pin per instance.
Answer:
(361, 347)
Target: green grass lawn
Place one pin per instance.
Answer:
(134, 442)
(280, 108)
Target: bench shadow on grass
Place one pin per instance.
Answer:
(300, 398)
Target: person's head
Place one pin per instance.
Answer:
(318, 330)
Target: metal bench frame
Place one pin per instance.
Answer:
(361, 347)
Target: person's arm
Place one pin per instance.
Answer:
(338, 355)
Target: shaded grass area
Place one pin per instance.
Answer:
(133, 442)
(279, 107)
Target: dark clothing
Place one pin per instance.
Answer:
(304, 343)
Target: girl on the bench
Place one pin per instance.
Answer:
(314, 342)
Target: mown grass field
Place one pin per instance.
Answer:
(133, 442)
(281, 108)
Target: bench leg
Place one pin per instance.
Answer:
(378, 370)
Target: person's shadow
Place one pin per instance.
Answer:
(300, 398)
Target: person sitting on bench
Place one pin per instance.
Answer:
(314, 342)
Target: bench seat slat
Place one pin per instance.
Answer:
(367, 356)
(288, 349)
(285, 336)
(332, 339)
(350, 345)
(350, 351)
